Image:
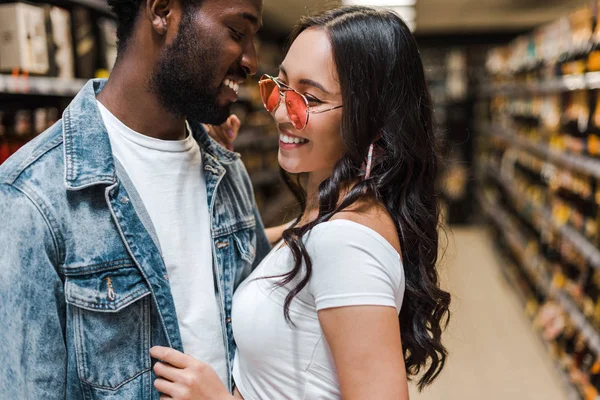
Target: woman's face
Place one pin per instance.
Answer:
(309, 68)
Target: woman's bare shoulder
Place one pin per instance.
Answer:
(373, 216)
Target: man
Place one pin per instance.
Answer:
(124, 226)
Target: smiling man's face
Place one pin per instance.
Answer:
(198, 72)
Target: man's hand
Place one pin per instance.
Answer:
(182, 377)
(226, 133)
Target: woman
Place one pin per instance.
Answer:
(348, 304)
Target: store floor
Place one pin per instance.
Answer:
(494, 353)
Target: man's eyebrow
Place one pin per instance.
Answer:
(252, 18)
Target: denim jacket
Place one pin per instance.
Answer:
(84, 291)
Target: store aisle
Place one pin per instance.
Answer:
(494, 352)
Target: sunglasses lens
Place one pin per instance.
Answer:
(296, 108)
(270, 94)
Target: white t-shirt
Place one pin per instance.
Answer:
(352, 265)
(169, 178)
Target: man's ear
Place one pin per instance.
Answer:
(157, 12)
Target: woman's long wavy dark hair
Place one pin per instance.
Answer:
(386, 101)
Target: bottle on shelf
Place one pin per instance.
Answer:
(593, 59)
(576, 201)
(592, 390)
(593, 139)
(580, 36)
(580, 365)
(575, 121)
(571, 274)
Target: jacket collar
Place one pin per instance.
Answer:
(87, 151)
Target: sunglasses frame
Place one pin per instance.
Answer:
(283, 89)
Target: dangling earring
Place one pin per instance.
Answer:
(369, 162)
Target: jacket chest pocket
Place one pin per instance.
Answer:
(111, 325)
(243, 253)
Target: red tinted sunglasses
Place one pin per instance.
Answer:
(296, 104)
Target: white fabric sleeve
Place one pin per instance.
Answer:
(353, 265)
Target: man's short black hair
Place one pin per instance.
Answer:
(127, 12)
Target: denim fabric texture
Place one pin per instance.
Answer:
(84, 291)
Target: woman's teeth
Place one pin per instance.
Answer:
(232, 85)
(288, 139)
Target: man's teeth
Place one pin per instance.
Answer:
(232, 85)
(288, 139)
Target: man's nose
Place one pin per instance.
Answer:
(249, 59)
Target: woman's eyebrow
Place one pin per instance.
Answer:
(307, 81)
(282, 69)
(315, 84)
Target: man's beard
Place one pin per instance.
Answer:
(185, 75)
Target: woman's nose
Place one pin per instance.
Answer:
(280, 114)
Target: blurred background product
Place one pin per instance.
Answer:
(23, 38)
(516, 91)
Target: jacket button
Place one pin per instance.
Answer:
(124, 200)
(228, 320)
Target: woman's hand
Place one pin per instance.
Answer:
(225, 133)
(182, 377)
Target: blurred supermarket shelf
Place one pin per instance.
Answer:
(590, 80)
(35, 85)
(578, 163)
